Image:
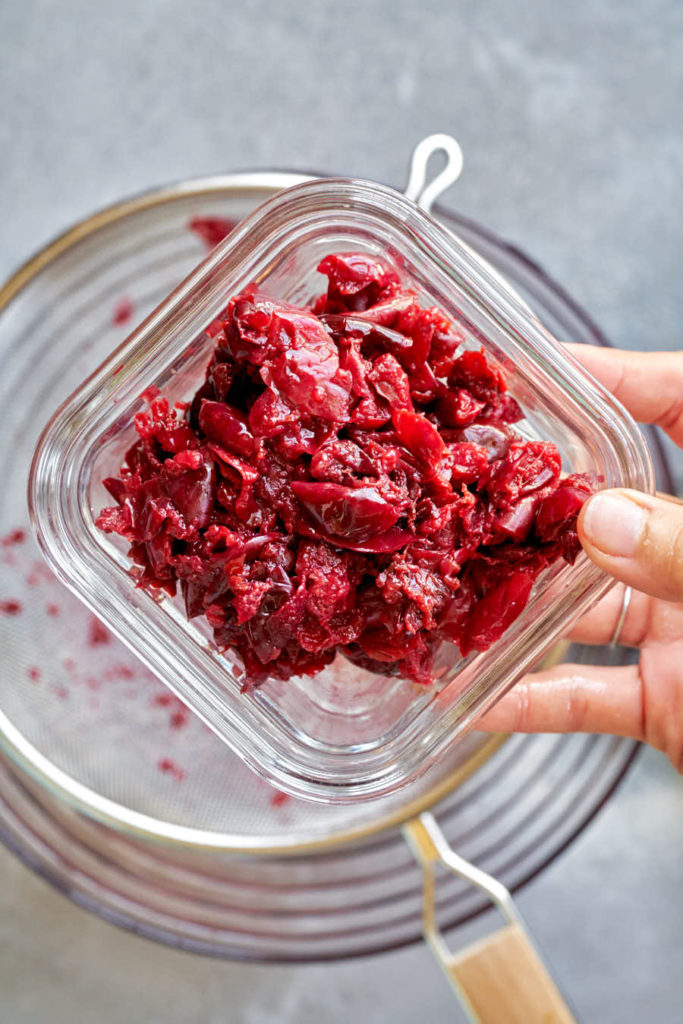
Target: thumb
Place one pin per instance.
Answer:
(637, 538)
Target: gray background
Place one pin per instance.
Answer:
(569, 116)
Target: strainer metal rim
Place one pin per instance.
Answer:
(134, 823)
(25, 754)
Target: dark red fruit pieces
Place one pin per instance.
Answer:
(346, 480)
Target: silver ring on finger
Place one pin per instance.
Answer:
(626, 601)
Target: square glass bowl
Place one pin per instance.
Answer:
(346, 733)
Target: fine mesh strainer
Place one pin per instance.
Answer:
(112, 790)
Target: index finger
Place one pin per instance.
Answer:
(572, 698)
(648, 384)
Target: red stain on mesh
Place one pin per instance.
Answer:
(211, 230)
(180, 714)
(39, 573)
(169, 767)
(163, 700)
(17, 536)
(347, 479)
(279, 799)
(119, 672)
(98, 634)
(123, 311)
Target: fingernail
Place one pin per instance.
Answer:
(614, 524)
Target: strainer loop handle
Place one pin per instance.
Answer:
(419, 188)
(500, 977)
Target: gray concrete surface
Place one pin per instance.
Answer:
(569, 115)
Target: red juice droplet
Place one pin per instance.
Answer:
(162, 700)
(40, 573)
(123, 311)
(169, 767)
(279, 799)
(179, 719)
(98, 633)
(10, 607)
(211, 230)
(17, 536)
(180, 714)
(119, 672)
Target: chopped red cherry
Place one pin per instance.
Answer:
(345, 481)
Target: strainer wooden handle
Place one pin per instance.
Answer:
(500, 979)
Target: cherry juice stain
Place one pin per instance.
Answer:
(169, 767)
(211, 230)
(10, 607)
(14, 537)
(119, 672)
(123, 311)
(179, 714)
(39, 573)
(98, 634)
(83, 676)
(279, 799)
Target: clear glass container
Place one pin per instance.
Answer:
(346, 734)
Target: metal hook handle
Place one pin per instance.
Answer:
(425, 192)
(501, 977)
(419, 189)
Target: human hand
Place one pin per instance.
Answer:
(638, 539)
